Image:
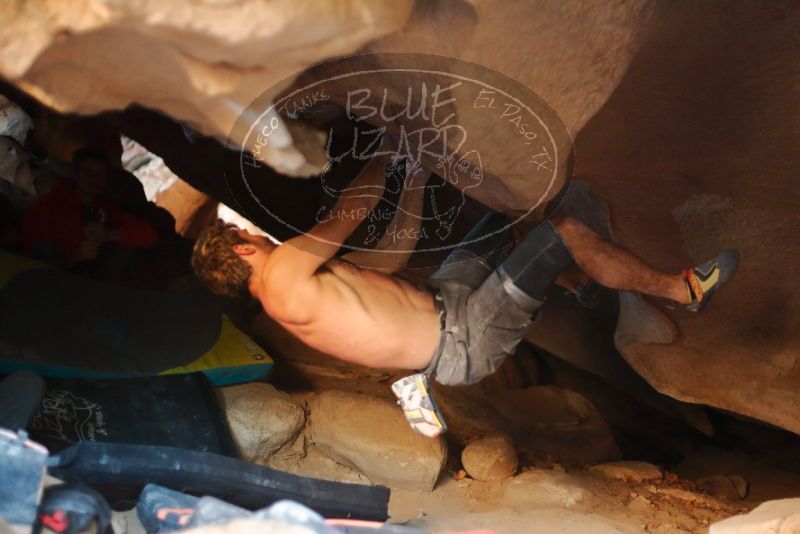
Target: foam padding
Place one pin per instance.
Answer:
(61, 325)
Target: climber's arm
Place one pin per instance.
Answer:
(297, 260)
(397, 245)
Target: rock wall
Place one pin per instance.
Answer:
(697, 151)
(571, 54)
(200, 62)
(204, 63)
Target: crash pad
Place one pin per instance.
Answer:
(176, 411)
(61, 325)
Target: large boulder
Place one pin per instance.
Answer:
(666, 153)
(200, 62)
(204, 63)
(563, 53)
(373, 436)
(772, 517)
(261, 418)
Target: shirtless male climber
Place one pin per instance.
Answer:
(459, 329)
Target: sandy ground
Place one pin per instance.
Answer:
(614, 506)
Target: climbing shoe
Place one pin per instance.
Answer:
(72, 509)
(414, 397)
(703, 281)
(164, 510)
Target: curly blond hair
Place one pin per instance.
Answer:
(217, 265)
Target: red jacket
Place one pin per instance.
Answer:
(58, 217)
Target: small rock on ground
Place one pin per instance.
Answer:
(490, 458)
(372, 436)
(261, 418)
(546, 488)
(629, 471)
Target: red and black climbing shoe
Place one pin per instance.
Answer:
(706, 279)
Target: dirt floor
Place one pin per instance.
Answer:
(671, 505)
(612, 507)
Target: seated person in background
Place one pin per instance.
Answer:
(76, 226)
(125, 190)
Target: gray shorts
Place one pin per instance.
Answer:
(481, 323)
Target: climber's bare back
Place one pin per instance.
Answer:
(355, 314)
